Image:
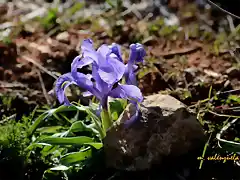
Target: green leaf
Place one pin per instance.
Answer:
(95, 145)
(116, 107)
(115, 116)
(114, 3)
(76, 7)
(67, 140)
(50, 112)
(79, 126)
(59, 168)
(97, 121)
(50, 129)
(37, 122)
(76, 157)
(234, 98)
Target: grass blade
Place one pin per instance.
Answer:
(67, 140)
(76, 157)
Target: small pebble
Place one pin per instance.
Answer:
(63, 37)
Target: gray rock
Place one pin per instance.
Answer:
(165, 129)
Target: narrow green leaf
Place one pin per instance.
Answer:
(204, 151)
(59, 168)
(67, 140)
(37, 122)
(96, 120)
(76, 157)
(50, 129)
(50, 112)
(79, 126)
(95, 145)
(76, 7)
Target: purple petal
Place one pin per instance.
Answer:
(118, 66)
(116, 49)
(79, 63)
(62, 83)
(99, 84)
(98, 81)
(87, 94)
(131, 79)
(130, 92)
(140, 53)
(88, 50)
(137, 53)
(103, 52)
(133, 54)
(85, 82)
(135, 67)
(107, 75)
(112, 70)
(133, 118)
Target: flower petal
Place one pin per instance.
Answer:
(99, 84)
(79, 63)
(116, 49)
(140, 53)
(133, 54)
(62, 83)
(88, 50)
(131, 79)
(103, 52)
(130, 92)
(112, 70)
(118, 67)
(137, 53)
(84, 82)
(107, 74)
(133, 118)
(87, 94)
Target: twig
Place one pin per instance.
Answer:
(227, 109)
(4, 84)
(231, 24)
(229, 13)
(8, 118)
(223, 115)
(135, 8)
(230, 91)
(43, 87)
(225, 128)
(39, 66)
(177, 52)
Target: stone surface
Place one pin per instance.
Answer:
(165, 129)
(63, 37)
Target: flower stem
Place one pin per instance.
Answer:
(106, 120)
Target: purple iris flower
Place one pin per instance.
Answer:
(107, 70)
(137, 54)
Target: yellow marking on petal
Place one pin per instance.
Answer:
(64, 83)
